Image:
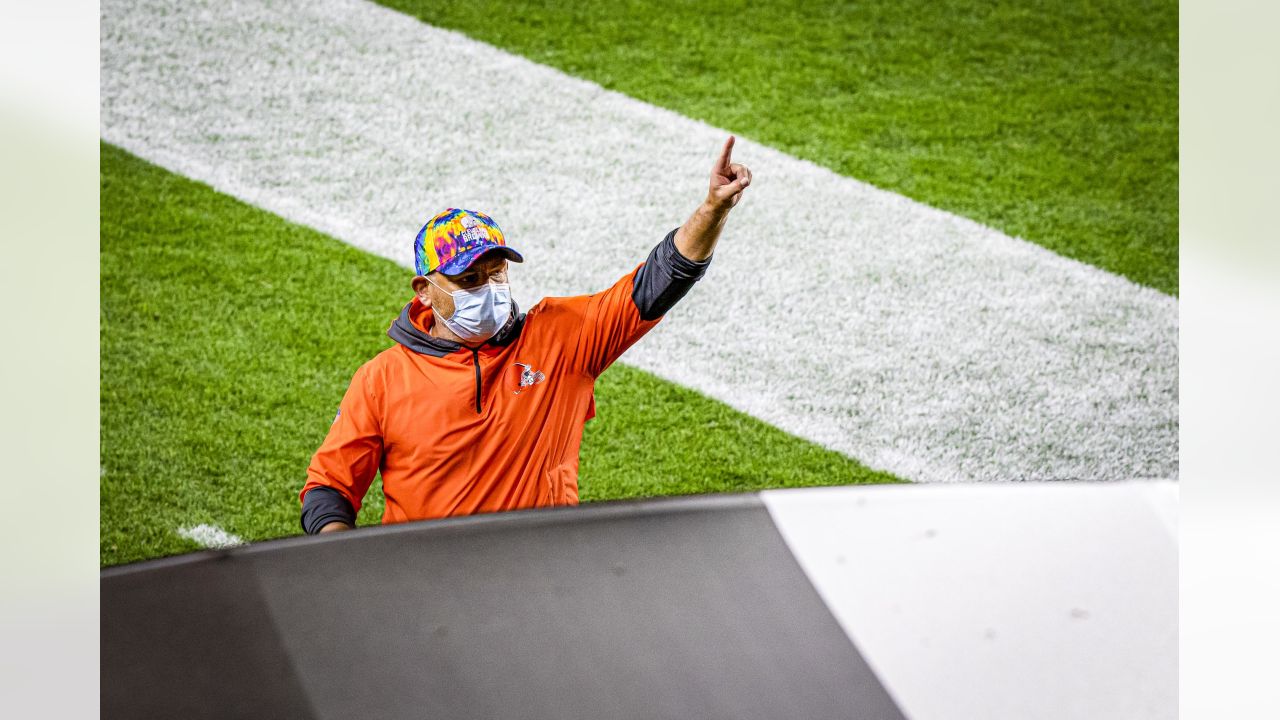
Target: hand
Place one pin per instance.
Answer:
(728, 180)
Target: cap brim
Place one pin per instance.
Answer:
(463, 260)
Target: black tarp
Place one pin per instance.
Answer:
(680, 608)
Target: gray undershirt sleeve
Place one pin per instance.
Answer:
(321, 506)
(665, 278)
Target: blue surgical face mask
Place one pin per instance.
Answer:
(478, 313)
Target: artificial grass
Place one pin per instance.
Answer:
(1055, 122)
(228, 336)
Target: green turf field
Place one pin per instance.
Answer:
(1056, 122)
(228, 336)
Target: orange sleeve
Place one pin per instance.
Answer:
(351, 453)
(611, 325)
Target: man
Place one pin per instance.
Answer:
(479, 407)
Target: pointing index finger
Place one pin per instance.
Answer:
(723, 162)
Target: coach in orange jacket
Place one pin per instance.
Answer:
(479, 407)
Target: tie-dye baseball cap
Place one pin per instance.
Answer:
(453, 239)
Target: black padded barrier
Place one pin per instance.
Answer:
(675, 608)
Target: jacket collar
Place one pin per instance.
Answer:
(411, 330)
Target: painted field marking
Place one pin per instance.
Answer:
(914, 340)
(210, 536)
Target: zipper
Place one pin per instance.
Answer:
(475, 356)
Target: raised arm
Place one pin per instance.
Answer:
(617, 317)
(696, 239)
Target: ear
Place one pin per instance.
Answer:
(422, 289)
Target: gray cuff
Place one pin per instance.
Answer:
(321, 506)
(665, 278)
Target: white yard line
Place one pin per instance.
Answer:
(210, 536)
(914, 340)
